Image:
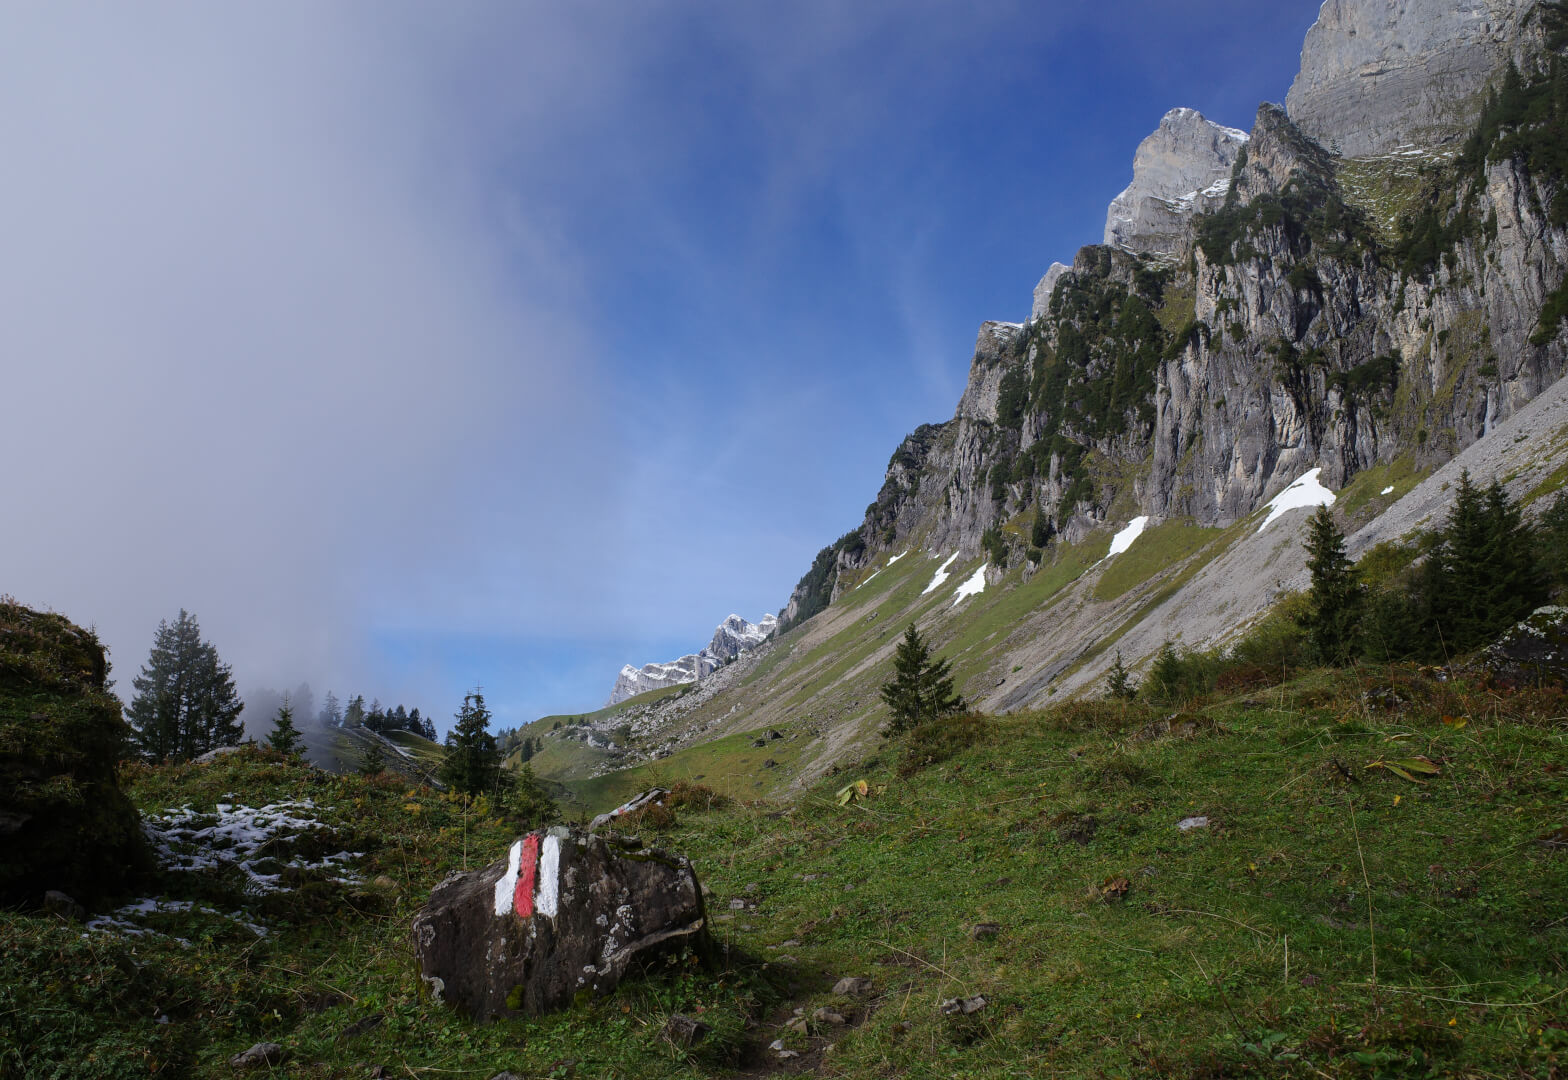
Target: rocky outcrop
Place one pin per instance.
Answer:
(993, 344)
(732, 637)
(1043, 291)
(1181, 169)
(735, 635)
(1379, 74)
(562, 913)
(64, 822)
(1290, 334)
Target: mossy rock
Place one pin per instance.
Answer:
(64, 822)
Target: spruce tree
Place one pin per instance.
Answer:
(185, 701)
(373, 762)
(331, 712)
(921, 689)
(1118, 681)
(284, 737)
(1167, 676)
(473, 761)
(1481, 577)
(1336, 598)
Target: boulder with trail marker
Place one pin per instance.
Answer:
(563, 913)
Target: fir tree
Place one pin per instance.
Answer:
(331, 712)
(1481, 577)
(1552, 541)
(921, 689)
(1335, 600)
(1167, 675)
(1040, 535)
(528, 799)
(473, 761)
(373, 762)
(284, 737)
(185, 702)
(1118, 681)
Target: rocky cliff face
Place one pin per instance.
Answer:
(1379, 74)
(1182, 169)
(732, 637)
(1322, 313)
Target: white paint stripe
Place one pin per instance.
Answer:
(548, 897)
(508, 883)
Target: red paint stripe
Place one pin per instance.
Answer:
(527, 872)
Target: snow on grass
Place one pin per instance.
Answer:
(1123, 540)
(973, 587)
(1303, 491)
(941, 574)
(1388, 490)
(235, 836)
(890, 562)
(125, 921)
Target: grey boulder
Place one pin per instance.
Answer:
(563, 913)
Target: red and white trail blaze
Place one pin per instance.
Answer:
(531, 884)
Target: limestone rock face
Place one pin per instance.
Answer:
(1182, 168)
(986, 370)
(565, 911)
(1043, 291)
(1378, 74)
(732, 637)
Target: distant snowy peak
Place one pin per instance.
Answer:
(735, 635)
(1183, 167)
(732, 637)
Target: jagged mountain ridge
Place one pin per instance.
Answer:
(1386, 321)
(1287, 328)
(730, 638)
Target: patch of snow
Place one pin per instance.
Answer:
(1303, 491)
(941, 574)
(1388, 490)
(1123, 540)
(235, 836)
(973, 587)
(890, 562)
(123, 920)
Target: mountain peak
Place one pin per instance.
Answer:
(1182, 167)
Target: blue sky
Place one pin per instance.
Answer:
(414, 347)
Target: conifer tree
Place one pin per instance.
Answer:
(1167, 678)
(921, 689)
(185, 701)
(473, 761)
(331, 712)
(1481, 577)
(373, 762)
(284, 737)
(1118, 681)
(1335, 600)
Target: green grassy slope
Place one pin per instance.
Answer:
(1331, 919)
